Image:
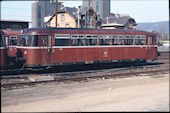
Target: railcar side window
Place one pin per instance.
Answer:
(13, 40)
(115, 40)
(91, 40)
(140, 40)
(94, 40)
(62, 40)
(132, 40)
(122, 40)
(105, 40)
(143, 40)
(149, 40)
(78, 41)
(88, 40)
(129, 40)
(74, 41)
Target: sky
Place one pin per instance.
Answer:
(140, 10)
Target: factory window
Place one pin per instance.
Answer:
(39, 16)
(67, 25)
(97, 7)
(62, 17)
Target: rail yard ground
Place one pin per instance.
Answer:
(136, 93)
(149, 93)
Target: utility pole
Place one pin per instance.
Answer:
(78, 11)
(89, 3)
(56, 12)
(86, 17)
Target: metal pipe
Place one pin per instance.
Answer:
(56, 12)
(78, 11)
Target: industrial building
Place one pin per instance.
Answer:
(102, 7)
(13, 24)
(41, 9)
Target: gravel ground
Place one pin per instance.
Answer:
(149, 93)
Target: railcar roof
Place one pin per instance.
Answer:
(84, 31)
(11, 32)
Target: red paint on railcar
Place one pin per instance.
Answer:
(3, 61)
(65, 55)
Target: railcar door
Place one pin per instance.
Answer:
(150, 51)
(45, 49)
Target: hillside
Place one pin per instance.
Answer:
(154, 26)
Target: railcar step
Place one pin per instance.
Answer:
(40, 78)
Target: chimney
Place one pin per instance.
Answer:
(117, 16)
(107, 20)
(62, 6)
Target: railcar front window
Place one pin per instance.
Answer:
(29, 40)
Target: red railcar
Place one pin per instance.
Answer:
(3, 55)
(58, 46)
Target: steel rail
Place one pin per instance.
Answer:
(104, 76)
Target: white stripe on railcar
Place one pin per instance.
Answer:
(24, 47)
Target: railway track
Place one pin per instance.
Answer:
(88, 75)
(82, 69)
(86, 78)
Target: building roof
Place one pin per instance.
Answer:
(112, 24)
(70, 10)
(119, 20)
(15, 21)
